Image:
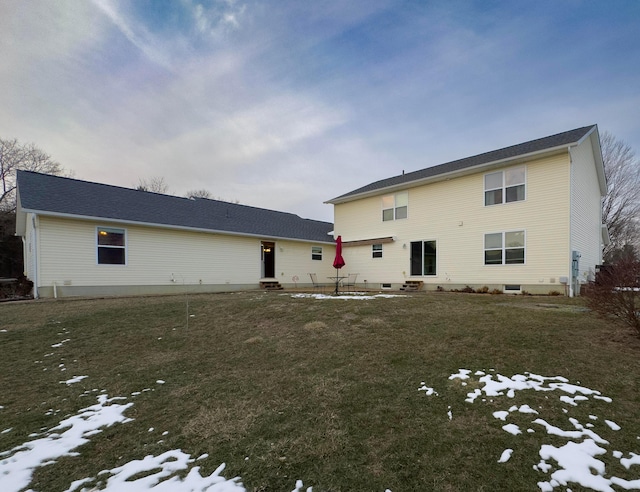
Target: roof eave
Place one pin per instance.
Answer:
(170, 226)
(452, 174)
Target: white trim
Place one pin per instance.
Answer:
(35, 221)
(422, 241)
(504, 186)
(125, 247)
(503, 248)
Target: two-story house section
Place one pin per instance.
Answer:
(522, 218)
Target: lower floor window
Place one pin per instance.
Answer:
(111, 246)
(376, 250)
(316, 252)
(423, 258)
(504, 248)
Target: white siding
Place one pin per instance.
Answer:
(586, 210)
(293, 259)
(452, 212)
(155, 256)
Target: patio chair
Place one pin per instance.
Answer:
(350, 282)
(314, 281)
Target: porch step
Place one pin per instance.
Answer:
(270, 285)
(412, 285)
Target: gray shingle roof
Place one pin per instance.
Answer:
(533, 146)
(71, 197)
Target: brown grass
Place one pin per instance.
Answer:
(325, 391)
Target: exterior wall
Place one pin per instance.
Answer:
(294, 263)
(586, 210)
(159, 260)
(453, 213)
(30, 248)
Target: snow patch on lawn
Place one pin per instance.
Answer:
(577, 461)
(358, 296)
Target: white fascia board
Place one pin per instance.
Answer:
(453, 174)
(21, 217)
(594, 138)
(171, 227)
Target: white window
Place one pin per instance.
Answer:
(376, 250)
(505, 186)
(423, 258)
(316, 253)
(111, 246)
(504, 248)
(395, 207)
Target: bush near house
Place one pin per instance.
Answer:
(616, 291)
(19, 288)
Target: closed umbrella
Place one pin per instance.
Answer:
(338, 262)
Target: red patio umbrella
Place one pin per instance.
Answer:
(338, 262)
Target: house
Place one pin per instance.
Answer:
(90, 239)
(522, 218)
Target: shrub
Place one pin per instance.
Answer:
(19, 288)
(483, 290)
(555, 293)
(468, 290)
(616, 292)
(439, 288)
(495, 292)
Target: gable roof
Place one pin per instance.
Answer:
(519, 151)
(65, 197)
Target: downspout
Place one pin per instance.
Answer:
(35, 252)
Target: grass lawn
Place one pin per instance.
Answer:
(326, 391)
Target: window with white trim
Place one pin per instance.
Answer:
(395, 207)
(376, 251)
(505, 186)
(504, 248)
(423, 258)
(316, 253)
(111, 244)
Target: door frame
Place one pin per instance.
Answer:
(268, 259)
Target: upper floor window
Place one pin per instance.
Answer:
(504, 248)
(376, 250)
(111, 246)
(395, 207)
(505, 186)
(316, 252)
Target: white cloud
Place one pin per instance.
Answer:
(136, 33)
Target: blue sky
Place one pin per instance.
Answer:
(286, 104)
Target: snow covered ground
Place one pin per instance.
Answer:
(575, 462)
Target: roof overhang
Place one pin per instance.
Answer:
(594, 137)
(21, 216)
(453, 174)
(369, 242)
(604, 232)
(170, 226)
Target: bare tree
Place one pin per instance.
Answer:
(155, 184)
(621, 205)
(202, 193)
(27, 157)
(16, 156)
